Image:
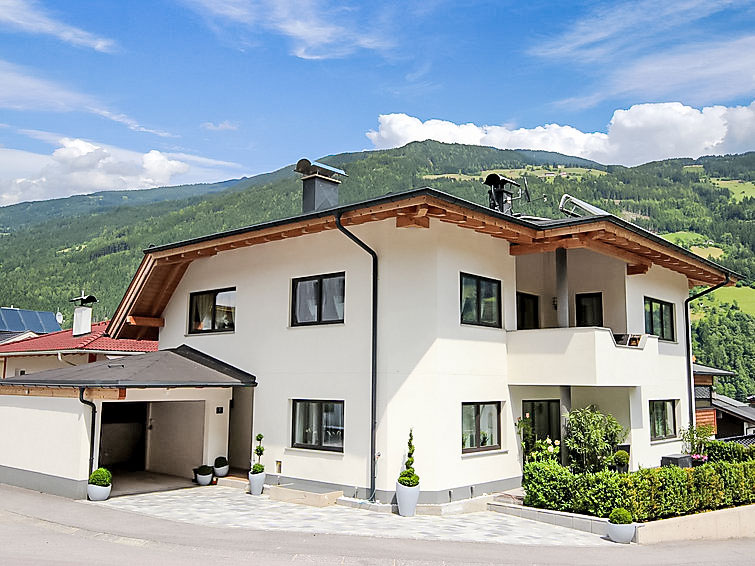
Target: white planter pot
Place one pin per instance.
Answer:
(256, 481)
(204, 480)
(407, 498)
(621, 533)
(98, 492)
(222, 471)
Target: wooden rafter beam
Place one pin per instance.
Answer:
(150, 321)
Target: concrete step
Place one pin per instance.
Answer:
(234, 481)
(290, 495)
(512, 496)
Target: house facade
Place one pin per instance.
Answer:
(479, 318)
(727, 416)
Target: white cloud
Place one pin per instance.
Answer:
(224, 125)
(21, 90)
(644, 132)
(317, 29)
(28, 16)
(78, 166)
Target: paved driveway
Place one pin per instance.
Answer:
(222, 506)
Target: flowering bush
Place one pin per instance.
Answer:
(544, 450)
(701, 458)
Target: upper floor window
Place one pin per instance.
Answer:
(662, 419)
(480, 301)
(527, 311)
(318, 299)
(659, 318)
(589, 309)
(212, 311)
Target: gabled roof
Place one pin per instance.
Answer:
(18, 320)
(65, 341)
(138, 314)
(11, 336)
(700, 369)
(740, 410)
(175, 367)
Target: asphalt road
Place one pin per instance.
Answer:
(42, 529)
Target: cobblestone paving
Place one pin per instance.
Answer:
(222, 506)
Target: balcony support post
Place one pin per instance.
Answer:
(562, 289)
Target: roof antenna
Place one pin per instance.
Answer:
(501, 193)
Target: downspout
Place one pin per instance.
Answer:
(688, 331)
(5, 365)
(91, 432)
(373, 392)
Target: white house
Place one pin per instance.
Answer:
(423, 311)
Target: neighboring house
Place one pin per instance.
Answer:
(475, 319)
(728, 416)
(19, 324)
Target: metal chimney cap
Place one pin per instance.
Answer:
(307, 167)
(499, 181)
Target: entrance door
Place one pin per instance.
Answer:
(545, 417)
(176, 437)
(240, 423)
(589, 309)
(123, 436)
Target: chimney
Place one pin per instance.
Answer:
(82, 314)
(320, 187)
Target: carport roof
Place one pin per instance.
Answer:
(174, 367)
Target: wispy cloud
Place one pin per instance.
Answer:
(641, 133)
(30, 17)
(21, 90)
(316, 29)
(221, 126)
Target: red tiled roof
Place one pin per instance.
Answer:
(65, 340)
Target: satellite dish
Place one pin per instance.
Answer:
(59, 317)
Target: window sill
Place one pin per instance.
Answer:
(665, 441)
(496, 452)
(485, 326)
(318, 324)
(331, 453)
(209, 333)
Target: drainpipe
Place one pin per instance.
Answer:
(91, 432)
(373, 392)
(688, 332)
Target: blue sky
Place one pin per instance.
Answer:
(108, 95)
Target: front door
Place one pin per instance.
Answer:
(545, 416)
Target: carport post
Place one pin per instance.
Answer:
(91, 432)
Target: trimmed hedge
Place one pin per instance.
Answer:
(648, 494)
(719, 451)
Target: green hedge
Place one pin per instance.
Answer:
(648, 494)
(719, 451)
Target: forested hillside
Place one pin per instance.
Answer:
(50, 251)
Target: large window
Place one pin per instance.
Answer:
(545, 418)
(212, 311)
(662, 419)
(659, 318)
(527, 311)
(480, 426)
(589, 309)
(318, 425)
(480, 301)
(317, 299)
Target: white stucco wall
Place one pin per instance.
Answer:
(32, 364)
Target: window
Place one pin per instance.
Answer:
(480, 426)
(318, 425)
(659, 318)
(212, 311)
(589, 309)
(662, 419)
(318, 299)
(545, 417)
(480, 301)
(527, 311)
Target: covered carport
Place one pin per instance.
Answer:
(152, 418)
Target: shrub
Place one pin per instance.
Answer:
(101, 477)
(259, 450)
(620, 516)
(545, 450)
(204, 470)
(597, 494)
(719, 451)
(221, 461)
(408, 477)
(695, 438)
(547, 484)
(258, 469)
(591, 438)
(621, 458)
(527, 436)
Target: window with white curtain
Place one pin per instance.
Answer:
(662, 419)
(212, 311)
(318, 299)
(480, 426)
(317, 425)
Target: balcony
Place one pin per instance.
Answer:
(585, 356)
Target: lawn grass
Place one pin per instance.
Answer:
(739, 189)
(572, 172)
(685, 238)
(713, 252)
(744, 296)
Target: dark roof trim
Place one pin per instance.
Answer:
(428, 191)
(741, 413)
(700, 369)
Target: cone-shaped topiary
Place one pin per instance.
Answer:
(408, 478)
(259, 450)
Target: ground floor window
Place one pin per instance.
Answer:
(662, 419)
(317, 425)
(545, 418)
(480, 426)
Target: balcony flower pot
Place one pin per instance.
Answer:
(256, 482)
(621, 533)
(98, 492)
(407, 498)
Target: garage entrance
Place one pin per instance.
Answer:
(151, 446)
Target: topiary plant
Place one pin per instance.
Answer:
(621, 458)
(101, 477)
(259, 450)
(221, 461)
(204, 470)
(620, 516)
(408, 477)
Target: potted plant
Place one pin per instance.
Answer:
(221, 466)
(620, 526)
(407, 486)
(204, 475)
(99, 485)
(257, 473)
(621, 461)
